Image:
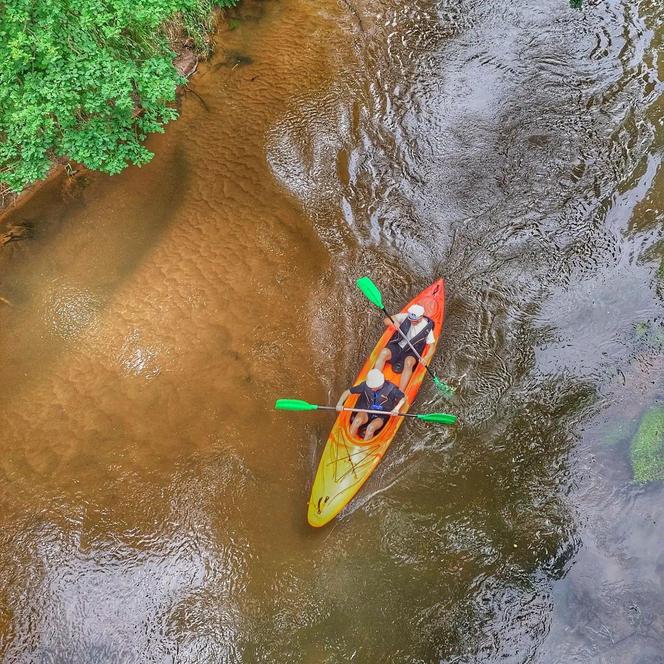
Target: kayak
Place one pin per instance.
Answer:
(347, 461)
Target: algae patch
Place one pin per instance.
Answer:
(647, 447)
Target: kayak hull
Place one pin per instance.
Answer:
(347, 462)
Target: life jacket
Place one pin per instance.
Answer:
(419, 340)
(379, 400)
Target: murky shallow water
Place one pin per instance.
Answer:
(153, 506)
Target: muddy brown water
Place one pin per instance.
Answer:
(153, 505)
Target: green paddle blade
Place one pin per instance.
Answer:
(443, 387)
(294, 404)
(371, 291)
(441, 418)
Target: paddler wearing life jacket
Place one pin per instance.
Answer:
(377, 394)
(419, 331)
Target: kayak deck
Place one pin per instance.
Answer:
(347, 461)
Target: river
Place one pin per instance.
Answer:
(153, 505)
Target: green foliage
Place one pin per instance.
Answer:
(647, 448)
(649, 335)
(87, 80)
(198, 21)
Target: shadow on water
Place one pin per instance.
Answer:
(55, 303)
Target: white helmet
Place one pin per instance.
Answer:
(375, 379)
(415, 311)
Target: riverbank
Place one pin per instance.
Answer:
(72, 117)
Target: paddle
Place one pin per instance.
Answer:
(374, 296)
(298, 404)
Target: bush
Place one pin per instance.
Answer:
(647, 448)
(87, 80)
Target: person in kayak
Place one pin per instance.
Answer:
(377, 394)
(419, 331)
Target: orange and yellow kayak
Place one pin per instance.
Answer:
(347, 461)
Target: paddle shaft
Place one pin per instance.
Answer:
(365, 410)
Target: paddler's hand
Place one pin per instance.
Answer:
(342, 400)
(397, 409)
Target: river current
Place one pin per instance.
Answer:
(153, 504)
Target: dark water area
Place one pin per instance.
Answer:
(153, 505)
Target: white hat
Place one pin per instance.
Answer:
(375, 379)
(415, 311)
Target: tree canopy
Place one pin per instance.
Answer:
(87, 80)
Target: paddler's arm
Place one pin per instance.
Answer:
(398, 407)
(431, 341)
(397, 318)
(342, 400)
